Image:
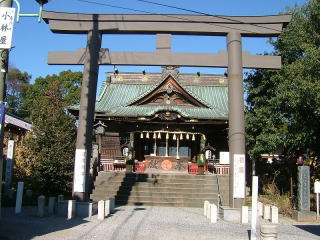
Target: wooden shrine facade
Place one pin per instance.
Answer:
(168, 118)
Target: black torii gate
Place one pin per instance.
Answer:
(234, 28)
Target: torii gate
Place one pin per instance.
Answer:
(94, 25)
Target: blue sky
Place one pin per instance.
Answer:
(32, 41)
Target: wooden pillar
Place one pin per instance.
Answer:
(167, 139)
(178, 141)
(155, 146)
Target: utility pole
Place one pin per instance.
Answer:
(4, 60)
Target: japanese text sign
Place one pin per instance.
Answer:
(6, 26)
(239, 177)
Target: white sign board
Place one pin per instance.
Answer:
(79, 171)
(9, 164)
(6, 26)
(317, 187)
(224, 158)
(10, 151)
(239, 175)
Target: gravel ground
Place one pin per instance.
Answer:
(141, 223)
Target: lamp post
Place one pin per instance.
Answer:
(4, 62)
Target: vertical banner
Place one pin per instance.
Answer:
(239, 175)
(79, 171)
(6, 26)
(9, 164)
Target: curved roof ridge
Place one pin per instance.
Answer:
(175, 78)
(153, 87)
(103, 91)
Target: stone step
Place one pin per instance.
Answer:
(169, 184)
(105, 195)
(106, 183)
(163, 199)
(157, 189)
(102, 195)
(161, 204)
(157, 176)
(106, 175)
(155, 199)
(175, 190)
(164, 181)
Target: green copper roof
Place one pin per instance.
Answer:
(115, 98)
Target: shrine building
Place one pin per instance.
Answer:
(166, 118)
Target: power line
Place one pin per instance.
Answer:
(170, 16)
(205, 14)
(114, 6)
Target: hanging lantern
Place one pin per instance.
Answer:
(167, 136)
(187, 136)
(141, 135)
(159, 135)
(181, 136)
(147, 135)
(193, 137)
(154, 135)
(174, 137)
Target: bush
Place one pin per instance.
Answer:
(273, 197)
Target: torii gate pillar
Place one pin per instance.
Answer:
(86, 117)
(236, 121)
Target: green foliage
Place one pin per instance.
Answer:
(16, 86)
(52, 143)
(68, 83)
(284, 106)
(49, 149)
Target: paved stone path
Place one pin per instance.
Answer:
(138, 223)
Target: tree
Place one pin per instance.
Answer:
(51, 145)
(68, 82)
(283, 107)
(16, 86)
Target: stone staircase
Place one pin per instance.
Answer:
(172, 190)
